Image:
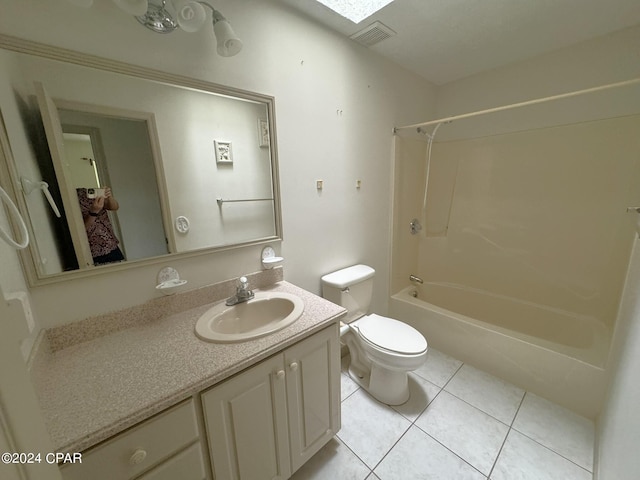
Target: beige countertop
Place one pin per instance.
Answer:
(92, 390)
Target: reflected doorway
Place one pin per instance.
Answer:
(86, 161)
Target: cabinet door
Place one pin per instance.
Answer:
(313, 393)
(246, 419)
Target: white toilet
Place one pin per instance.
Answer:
(383, 350)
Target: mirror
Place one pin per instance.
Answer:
(191, 166)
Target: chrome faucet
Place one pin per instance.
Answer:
(415, 279)
(243, 293)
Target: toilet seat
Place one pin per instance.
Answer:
(391, 335)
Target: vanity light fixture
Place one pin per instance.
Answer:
(165, 16)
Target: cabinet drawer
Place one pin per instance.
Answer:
(136, 450)
(186, 465)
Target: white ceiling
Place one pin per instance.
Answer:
(446, 40)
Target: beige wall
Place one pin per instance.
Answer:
(336, 105)
(604, 60)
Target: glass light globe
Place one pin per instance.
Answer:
(190, 15)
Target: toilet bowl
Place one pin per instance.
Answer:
(382, 350)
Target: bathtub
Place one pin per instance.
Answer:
(556, 354)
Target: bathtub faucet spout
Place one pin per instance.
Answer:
(413, 278)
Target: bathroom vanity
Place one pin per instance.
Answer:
(152, 401)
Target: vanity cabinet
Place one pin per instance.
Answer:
(263, 423)
(267, 421)
(165, 447)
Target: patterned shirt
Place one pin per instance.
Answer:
(100, 234)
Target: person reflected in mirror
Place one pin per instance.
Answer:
(94, 204)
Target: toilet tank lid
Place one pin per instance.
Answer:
(348, 276)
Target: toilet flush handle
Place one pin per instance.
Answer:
(345, 290)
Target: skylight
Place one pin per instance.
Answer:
(355, 10)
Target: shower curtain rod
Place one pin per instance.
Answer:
(521, 104)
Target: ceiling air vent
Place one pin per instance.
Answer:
(374, 33)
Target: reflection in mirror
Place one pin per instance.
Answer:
(153, 142)
(103, 151)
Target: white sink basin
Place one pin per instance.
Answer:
(266, 313)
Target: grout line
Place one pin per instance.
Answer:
(445, 383)
(351, 380)
(495, 462)
(355, 455)
(551, 450)
(392, 447)
(470, 404)
(413, 423)
(480, 410)
(338, 434)
(518, 410)
(440, 390)
(447, 448)
(371, 470)
(541, 444)
(454, 374)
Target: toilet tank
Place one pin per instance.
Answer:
(351, 288)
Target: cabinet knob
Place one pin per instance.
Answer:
(138, 457)
(280, 374)
(294, 366)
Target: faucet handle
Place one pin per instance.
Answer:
(243, 282)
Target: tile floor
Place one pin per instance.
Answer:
(459, 423)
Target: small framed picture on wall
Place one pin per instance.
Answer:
(224, 152)
(263, 132)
